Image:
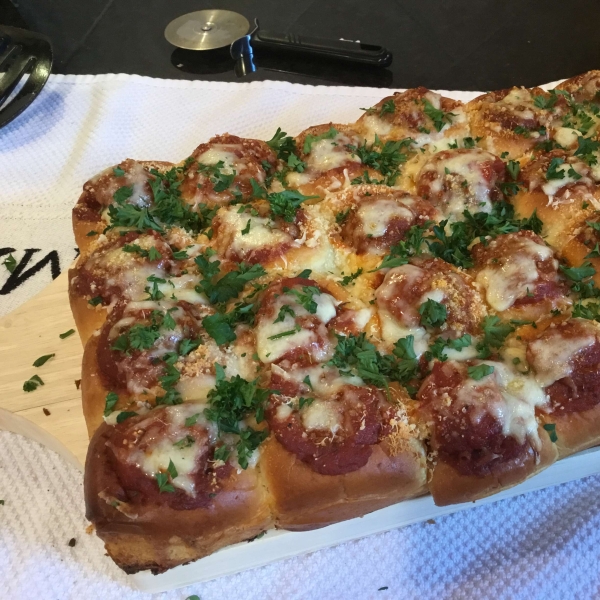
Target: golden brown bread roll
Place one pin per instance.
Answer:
(256, 357)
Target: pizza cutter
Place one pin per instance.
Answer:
(212, 29)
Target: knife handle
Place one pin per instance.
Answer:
(357, 52)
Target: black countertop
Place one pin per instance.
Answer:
(441, 44)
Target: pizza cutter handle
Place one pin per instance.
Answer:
(366, 54)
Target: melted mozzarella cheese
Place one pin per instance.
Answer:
(269, 349)
(157, 458)
(551, 187)
(392, 329)
(376, 216)
(375, 125)
(326, 154)
(262, 232)
(552, 356)
(217, 154)
(467, 166)
(138, 178)
(324, 381)
(283, 412)
(297, 179)
(521, 103)
(513, 279)
(183, 288)
(321, 415)
(566, 137)
(520, 395)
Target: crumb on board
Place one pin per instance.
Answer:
(77, 383)
(430, 521)
(46, 412)
(72, 542)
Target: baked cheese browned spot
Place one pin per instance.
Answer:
(221, 170)
(425, 116)
(406, 289)
(463, 179)
(511, 120)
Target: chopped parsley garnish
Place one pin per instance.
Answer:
(180, 254)
(551, 429)
(365, 178)
(286, 204)
(510, 188)
(439, 117)
(42, 360)
(348, 279)
(110, 402)
(185, 442)
(123, 193)
(387, 107)
(342, 216)
(187, 345)
(454, 247)
(520, 130)
(95, 300)
(589, 310)
(10, 263)
(162, 479)
(126, 414)
(307, 382)
(309, 140)
(66, 334)
(306, 297)
(246, 229)
(152, 254)
(545, 103)
(583, 287)
(153, 292)
(286, 309)
(169, 208)
(436, 350)
(230, 402)
(302, 402)
(118, 171)
(469, 142)
(278, 336)
(578, 274)
(433, 314)
(479, 371)
(219, 327)
(190, 421)
(221, 453)
(221, 288)
(553, 172)
(383, 157)
(355, 355)
(586, 149)
(283, 145)
(132, 217)
(411, 246)
(304, 274)
(495, 333)
(32, 383)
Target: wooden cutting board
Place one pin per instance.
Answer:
(26, 334)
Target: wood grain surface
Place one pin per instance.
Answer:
(26, 334)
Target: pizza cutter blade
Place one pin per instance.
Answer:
(212, 29)
(206, 29)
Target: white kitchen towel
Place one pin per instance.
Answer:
(542, 545)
